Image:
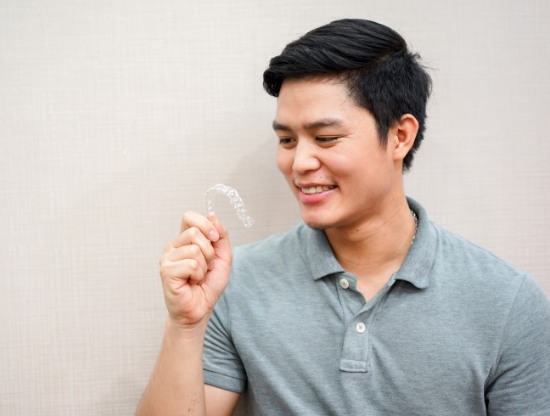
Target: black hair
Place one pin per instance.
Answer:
(374, 62)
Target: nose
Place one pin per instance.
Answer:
(305, 157)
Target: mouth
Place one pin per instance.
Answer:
(311, 190)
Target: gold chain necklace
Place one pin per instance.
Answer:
(415, 225)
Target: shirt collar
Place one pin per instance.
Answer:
(419, 260)
(415, 268)
(319, 254)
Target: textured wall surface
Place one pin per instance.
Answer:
(116, 116)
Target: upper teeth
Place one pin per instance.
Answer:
(315, 189)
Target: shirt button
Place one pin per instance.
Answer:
(360, 327)
(344, 284)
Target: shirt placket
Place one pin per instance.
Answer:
(359, 319)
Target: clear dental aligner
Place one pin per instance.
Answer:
(234, 198)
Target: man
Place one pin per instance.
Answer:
(368, 307)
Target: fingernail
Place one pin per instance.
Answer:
(213, 235)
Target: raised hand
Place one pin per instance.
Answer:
(195, 268)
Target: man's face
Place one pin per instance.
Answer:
(330, 153)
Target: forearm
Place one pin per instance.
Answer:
(176, 385)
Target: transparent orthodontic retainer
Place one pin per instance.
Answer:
(235, 200)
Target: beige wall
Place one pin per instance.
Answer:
(115, 116)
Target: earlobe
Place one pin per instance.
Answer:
(404, 134)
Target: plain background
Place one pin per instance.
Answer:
(116, 116)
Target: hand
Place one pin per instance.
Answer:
(195, 269)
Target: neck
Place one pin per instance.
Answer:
(376, 249)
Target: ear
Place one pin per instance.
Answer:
(402, 136)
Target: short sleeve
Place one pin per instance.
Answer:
(222, 366)
(520, 381)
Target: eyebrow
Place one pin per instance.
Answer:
(324, 122)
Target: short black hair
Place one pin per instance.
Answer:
(373, 60)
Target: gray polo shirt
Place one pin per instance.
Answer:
(455, 331)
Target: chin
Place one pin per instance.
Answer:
(316, 223)
(319, 220)
(315, 226)
(325, 222)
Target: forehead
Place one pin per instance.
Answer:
(313, 101)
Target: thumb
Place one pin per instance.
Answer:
(219, 268)
(222, 246)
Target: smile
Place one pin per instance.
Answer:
(316, 189)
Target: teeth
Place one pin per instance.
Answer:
(315, 189)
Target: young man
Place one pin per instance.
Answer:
(368, 307)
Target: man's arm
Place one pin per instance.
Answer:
(194, 270)
(220, 402)
(177, 385)
(520, 381)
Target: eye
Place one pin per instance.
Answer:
(286, 141)
(327, 139)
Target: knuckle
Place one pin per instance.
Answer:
(167, 247)
(164, 270)
(187, 214)
(193, 232)
(194, 250)
(186, 219)
(194, 265)
(163, 258)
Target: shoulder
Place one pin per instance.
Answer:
(460, 256)
(487, 289)
(484, 286)
(460, 268)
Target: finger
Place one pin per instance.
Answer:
(192, 219)
(192, 237)
(183, 271)
(219, 269)
(190, 251)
